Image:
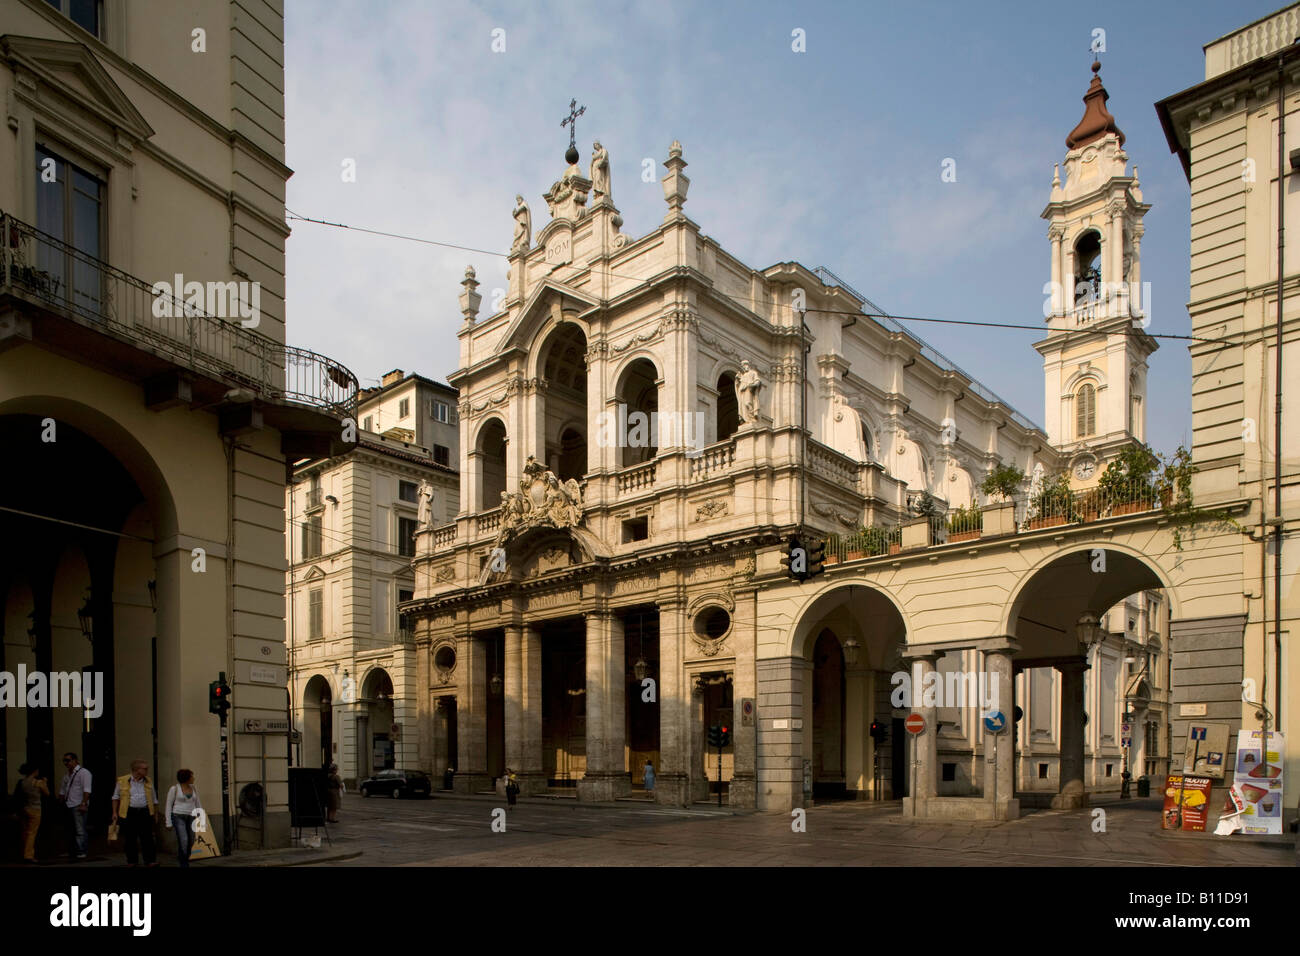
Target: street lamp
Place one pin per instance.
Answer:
(86, 615)
(851, 648)
(1088, 630)
(153, 594)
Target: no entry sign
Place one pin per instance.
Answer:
(915, 724)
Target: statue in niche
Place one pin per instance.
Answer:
(425, 518)
(600, 173)
(748, 386)
(523, 226)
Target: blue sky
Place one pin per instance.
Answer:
(828, 157)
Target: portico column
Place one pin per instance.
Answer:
(532, 776)
(744, 735)
(471, 717)
(606, 776)
(922, 772)
(1072, 793)
(999, 749)
(514, 696)
(671, 784)
(1058, 293)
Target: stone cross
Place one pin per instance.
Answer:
(571, 121)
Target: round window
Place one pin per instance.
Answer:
(712, 623)
(444, 658)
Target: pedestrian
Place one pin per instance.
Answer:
(512, 787)
(135, 807)
(333, 794)
(75, 793)
(178, 813)
(34, 788)
(649, 777)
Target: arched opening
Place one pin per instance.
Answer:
(317, 723)
(563, 364)
(851, 639)
(1085, 411)
(375, 738)
(728, 406)
(638, 394)
(78, 589)
(868, 446)
(1078, 674)
(1087, 267)
(492, 463)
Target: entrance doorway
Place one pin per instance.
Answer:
(828, 718)
(564, 702)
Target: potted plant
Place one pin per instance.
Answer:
(1053, 504)
(832, 554)
(874, 541)
(854, 548)
(1002, 482)
(965, 524)
(1128, 483)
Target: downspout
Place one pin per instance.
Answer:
(1277, 399)
(288, 682)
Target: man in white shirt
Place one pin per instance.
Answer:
(75, 793)
(137, 816)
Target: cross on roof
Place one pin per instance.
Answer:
(571, 121)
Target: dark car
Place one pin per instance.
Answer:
(397, 783)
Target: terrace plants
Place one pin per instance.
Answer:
(1129, 482)
(1053, 504)
(1002, 482)
(965, 523)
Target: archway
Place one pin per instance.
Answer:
(317, 723)
(491, 452)
(851, 637)
(728, 406)
(638, 394)
(563, 364)
(376, 746)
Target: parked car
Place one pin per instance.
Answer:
(397, 783)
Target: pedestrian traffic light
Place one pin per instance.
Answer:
(816, 558)
(795, 559)
(724, 738)
(219, 696)
(715, 735)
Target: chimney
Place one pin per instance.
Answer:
(394, 376)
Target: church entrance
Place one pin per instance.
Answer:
(564, 702)
(641, 638)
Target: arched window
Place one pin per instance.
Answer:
(728, 407)
(868, 449)
(492, 475)
(1087, 267)
(1085, 411)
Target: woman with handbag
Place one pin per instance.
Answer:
(32, 787)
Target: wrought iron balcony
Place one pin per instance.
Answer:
(86, 293)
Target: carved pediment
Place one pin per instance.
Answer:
(72, 72)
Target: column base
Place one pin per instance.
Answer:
(742, 791)
(673, 789)
(961, 808)
(531, 782)
(597, 787)
(1069, 801)
(467, 783)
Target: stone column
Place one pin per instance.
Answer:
(532, 776)
(699, 776)
(1071, 795)
(424, 710)
(1067, 275)
(741, 792)
(514, 696)
(1116, 270)
(672, 783)
(999, 749)
(1058, 293)
(922, 769)
(858, 714)
(606, 776)
(471, 717)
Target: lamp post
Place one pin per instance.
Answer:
(86, 616)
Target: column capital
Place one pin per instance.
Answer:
(1001, 644)
(920, 656)
(1070, 664)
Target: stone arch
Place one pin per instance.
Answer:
(637, 388)
(317, 721)
(491, 443)
(827, 598)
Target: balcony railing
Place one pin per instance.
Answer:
(489, 521)
(89, 291)
(714, 460)
(867, 543)
(444, 537)
(314, 500)
(636, 478)
(1048, 509)
(829, 463)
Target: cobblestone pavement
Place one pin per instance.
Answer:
(456, 831)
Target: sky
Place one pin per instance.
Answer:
(403, 118)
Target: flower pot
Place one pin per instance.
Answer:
(955, 536)
(895, 547)
(854, 555)
(1130, 507)
(831, 558)
(1049, 522)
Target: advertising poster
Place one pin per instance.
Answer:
(1259, 780)
(1187, 802)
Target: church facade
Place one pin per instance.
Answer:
(648, 422)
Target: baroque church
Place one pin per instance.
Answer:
(646, 423)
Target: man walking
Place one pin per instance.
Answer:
(135, 805)
(75, 793)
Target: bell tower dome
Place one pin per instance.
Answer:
(1096, 306)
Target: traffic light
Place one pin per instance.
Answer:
(795, 559)
(219, 696)
(724, 739)
(878, 731)
(816, 559)
(715, 735)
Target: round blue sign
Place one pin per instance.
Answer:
(995, 723)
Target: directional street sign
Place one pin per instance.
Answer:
(915, 724)
(995, 723)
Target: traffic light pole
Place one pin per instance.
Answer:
(719, 776)
(225, 789)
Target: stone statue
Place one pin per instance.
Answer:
(523, 227)
(426, 504)
(600, 173)
(748, 386)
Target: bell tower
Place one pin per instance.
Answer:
(1096, 306)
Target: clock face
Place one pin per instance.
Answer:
(1084, 469)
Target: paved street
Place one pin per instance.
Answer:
(456, 831)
